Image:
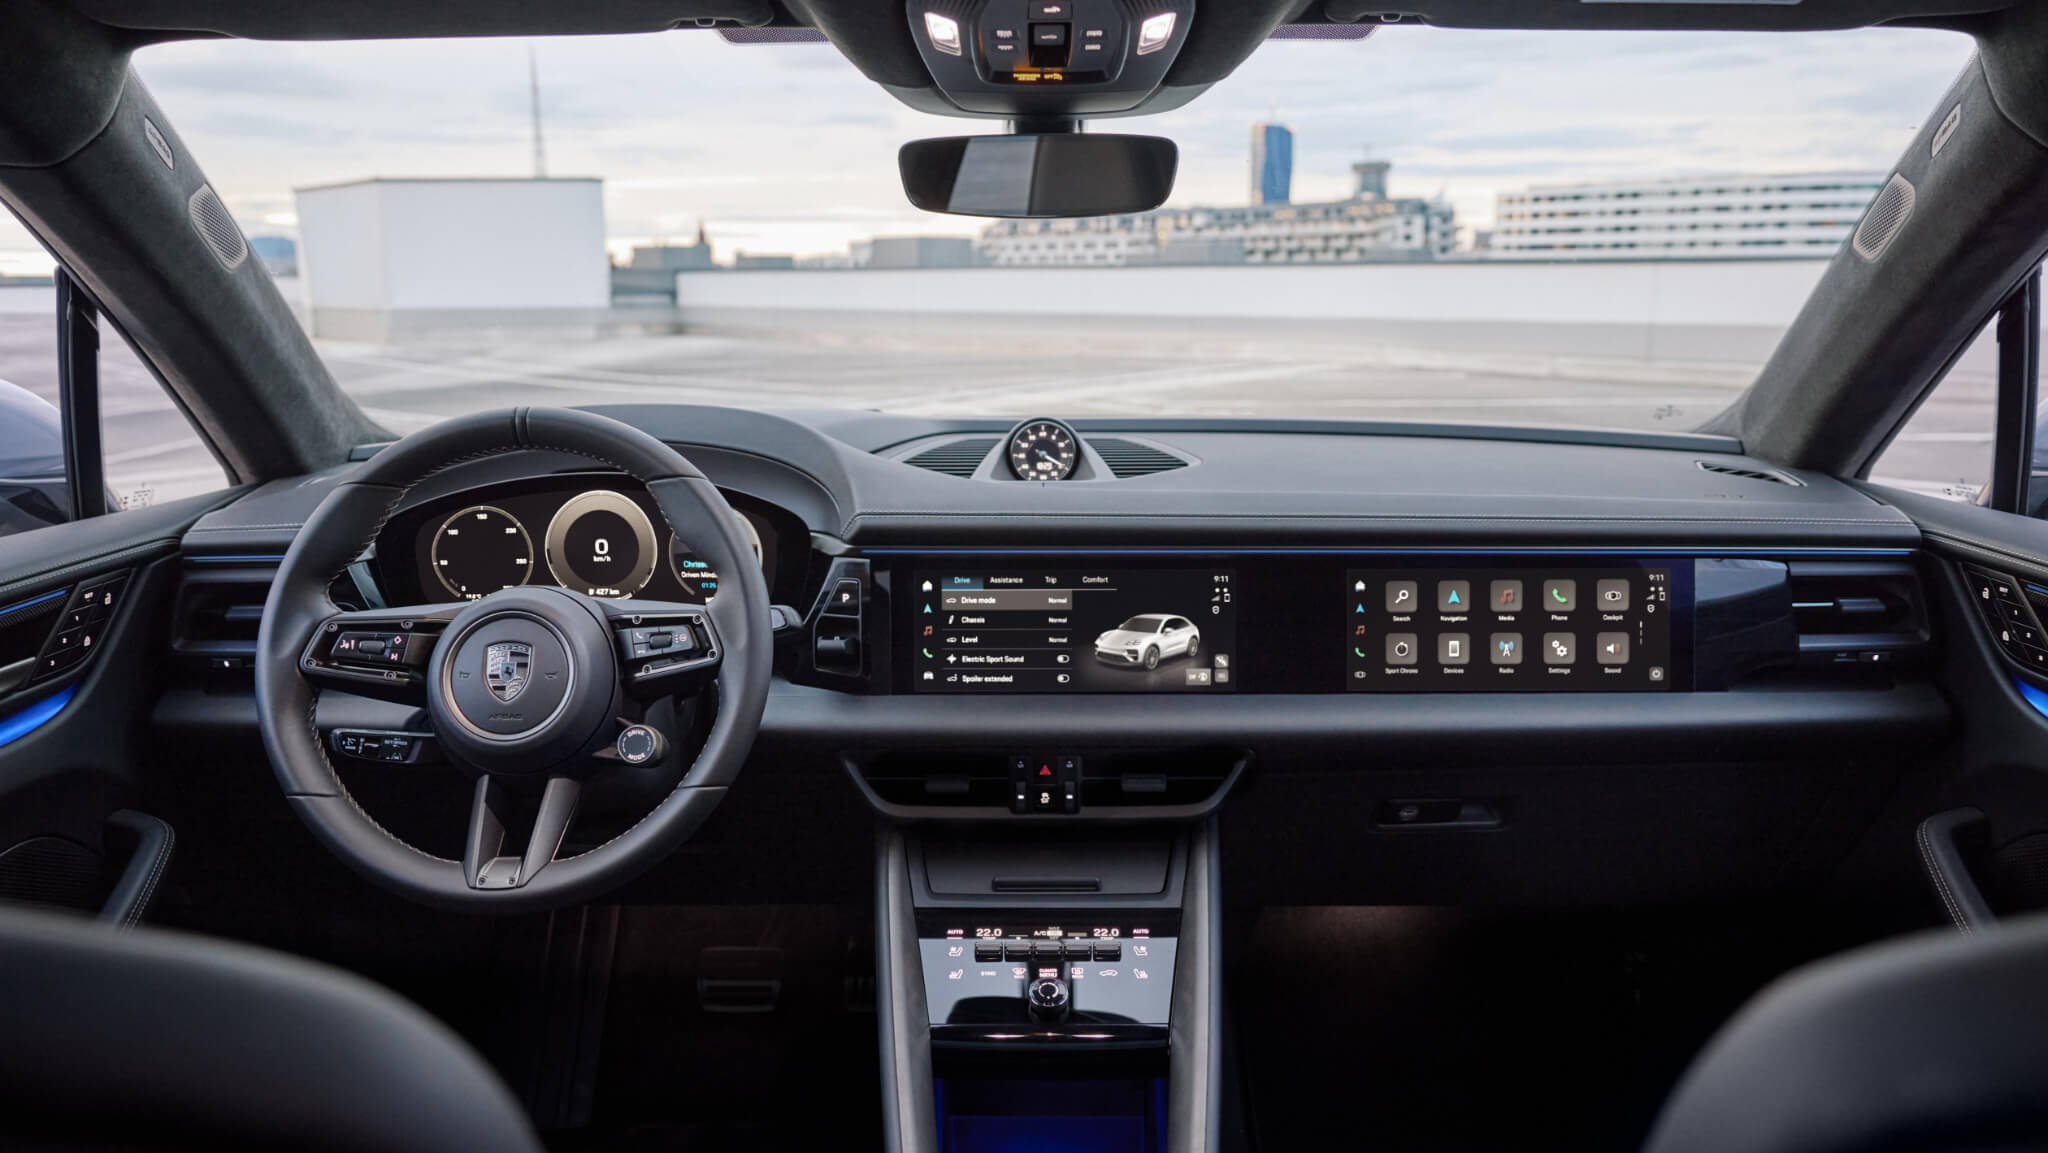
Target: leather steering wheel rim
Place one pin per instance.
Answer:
(348, 520)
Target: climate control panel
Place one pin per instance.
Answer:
(1092, 977)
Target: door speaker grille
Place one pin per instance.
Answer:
(1887, 215)
(216, 226)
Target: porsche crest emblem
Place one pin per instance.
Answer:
(507, 667)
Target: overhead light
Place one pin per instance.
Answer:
(1154, 33)
(944, 32)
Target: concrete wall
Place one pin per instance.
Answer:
(383, 258)
(1664, 311)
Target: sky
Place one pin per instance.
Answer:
(788, 149)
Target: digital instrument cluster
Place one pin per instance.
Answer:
(605, 540)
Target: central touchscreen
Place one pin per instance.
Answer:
(1057, 630)
(1559, 629)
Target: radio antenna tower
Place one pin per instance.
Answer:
(540, 151)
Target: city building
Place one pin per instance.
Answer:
(1368, 227)
(915, 252)
(1723, 216)
(1272, 163)
(648, 278)
(762, 260)
(672, 257)
(384, 258)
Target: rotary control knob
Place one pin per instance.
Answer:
(1048, 998)
(640, 745)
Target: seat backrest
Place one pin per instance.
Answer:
(150, 1040)
(1935, 1043)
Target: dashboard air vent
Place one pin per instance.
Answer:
(1748, 473)
(217, 614)
(1853, 612)
(1128, 458)
(955, 457)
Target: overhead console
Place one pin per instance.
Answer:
(1028, 59)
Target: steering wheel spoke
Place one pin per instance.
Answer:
(379, 653)
(484, 863)
(665, 648)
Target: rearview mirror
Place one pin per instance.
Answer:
(1052, 174)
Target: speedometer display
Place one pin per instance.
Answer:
(601, 544)
(480, 550)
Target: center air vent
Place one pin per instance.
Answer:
(1128, 458)
(1748, 473)
(1855, 612)
(955, 457)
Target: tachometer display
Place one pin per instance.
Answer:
(480, 550)
(600, 543)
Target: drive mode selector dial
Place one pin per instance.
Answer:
(1048, 998)
(601, 544)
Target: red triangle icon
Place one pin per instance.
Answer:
(1045, 770)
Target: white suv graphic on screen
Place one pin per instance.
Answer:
(1147, 639)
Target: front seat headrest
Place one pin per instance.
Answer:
(1935, 1042)
(153, 1040)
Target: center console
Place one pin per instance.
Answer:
(1049, 989)
(1050, 928)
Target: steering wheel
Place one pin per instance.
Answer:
(528, 689)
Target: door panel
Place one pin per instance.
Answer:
(83, 633)
(1990, 595)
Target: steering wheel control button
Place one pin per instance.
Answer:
(640, 745)
(388, 747)
(380, 648)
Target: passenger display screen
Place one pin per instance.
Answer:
(1561, 629)
(1072, 630)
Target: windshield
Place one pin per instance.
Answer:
(1593, 229)
(1140, 624)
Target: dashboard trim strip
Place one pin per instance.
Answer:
(1221, 550)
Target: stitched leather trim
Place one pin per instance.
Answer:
(1366, 520)
(1982, 553)
(156, 872)
(61, 574)
(1931, 864)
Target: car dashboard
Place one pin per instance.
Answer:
(1645, 661)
